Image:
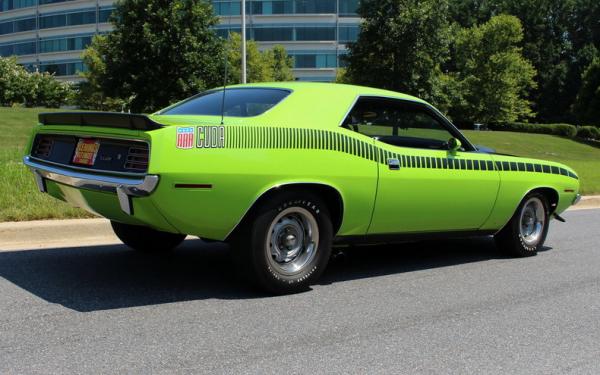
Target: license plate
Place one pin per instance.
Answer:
(86, 151)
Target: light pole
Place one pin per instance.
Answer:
(243, 41)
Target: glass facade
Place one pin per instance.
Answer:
(266, 7)
(64, 44)
(18, 49)
(62, 68)
(314, 60)
(267, 33)
(16, 4)
(38, 47)
(68, 19)
(48, 21)
(17, 25)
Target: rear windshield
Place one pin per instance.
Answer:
(239, 102)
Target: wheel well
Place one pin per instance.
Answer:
(551, 195)
(331, 197)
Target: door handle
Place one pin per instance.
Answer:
(393, 164)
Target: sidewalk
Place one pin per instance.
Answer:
(43, 234)
(587, 202)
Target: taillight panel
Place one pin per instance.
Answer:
(114, 155)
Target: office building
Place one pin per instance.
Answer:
(50, 35)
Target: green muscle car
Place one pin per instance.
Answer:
(285, 171)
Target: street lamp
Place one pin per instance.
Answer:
(243, 41)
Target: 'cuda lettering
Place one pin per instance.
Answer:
(211, 136)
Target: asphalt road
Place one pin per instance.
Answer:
(442, 307)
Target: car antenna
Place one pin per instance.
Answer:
(226, 64)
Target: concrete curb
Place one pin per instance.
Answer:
(43, 234)
(587, 202)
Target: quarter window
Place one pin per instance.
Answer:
(398, 123)
(238, 102)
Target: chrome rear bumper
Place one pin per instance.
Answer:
(576, 199)
(124, 187)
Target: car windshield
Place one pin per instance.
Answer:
(239, 102)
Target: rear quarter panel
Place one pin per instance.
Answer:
(254, 160)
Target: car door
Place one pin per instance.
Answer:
(422, 185)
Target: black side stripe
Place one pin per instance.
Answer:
(245, 137)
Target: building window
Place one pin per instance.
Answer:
(25, 24)
(104, 15)
(315, 33)
(349, 33)
(227, 8)
(68, 19)
(42, 2)
(15, 4)
(57, 20)
(348, 8)
(81, 18)
(273, 34)
(65, 44)
(314, 60)
(315, 6)
(18, 49)
(63, 69)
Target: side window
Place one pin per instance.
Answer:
(397, 123)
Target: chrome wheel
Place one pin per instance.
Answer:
(292, 240)
(532, 221)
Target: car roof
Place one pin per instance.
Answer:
(317, 104)
(328, 87)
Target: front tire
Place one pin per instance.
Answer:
(526, 231)
(286, 244)
(145, 239)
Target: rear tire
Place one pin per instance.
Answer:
(145, 239)
(285, 245)
(526, 231)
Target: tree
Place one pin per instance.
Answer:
(258, 66)
(545, 25)
(492, 77)
(587, 104)
(401, 45)
(281, 64)
(342, 77)
(90, 94)
(14, 85)
(159, 52)
(560, 38)
(267, 66)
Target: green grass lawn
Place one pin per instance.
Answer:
(20, 200)
(584, 159)
(19, 197)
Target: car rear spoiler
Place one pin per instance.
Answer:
(102, 119)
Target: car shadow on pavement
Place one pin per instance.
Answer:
(372, 261)
(108, 277)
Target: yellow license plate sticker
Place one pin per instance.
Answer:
(86, 151)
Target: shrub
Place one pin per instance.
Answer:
(48, 91)
(563, 130)
(588, 132)
(20, 87)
